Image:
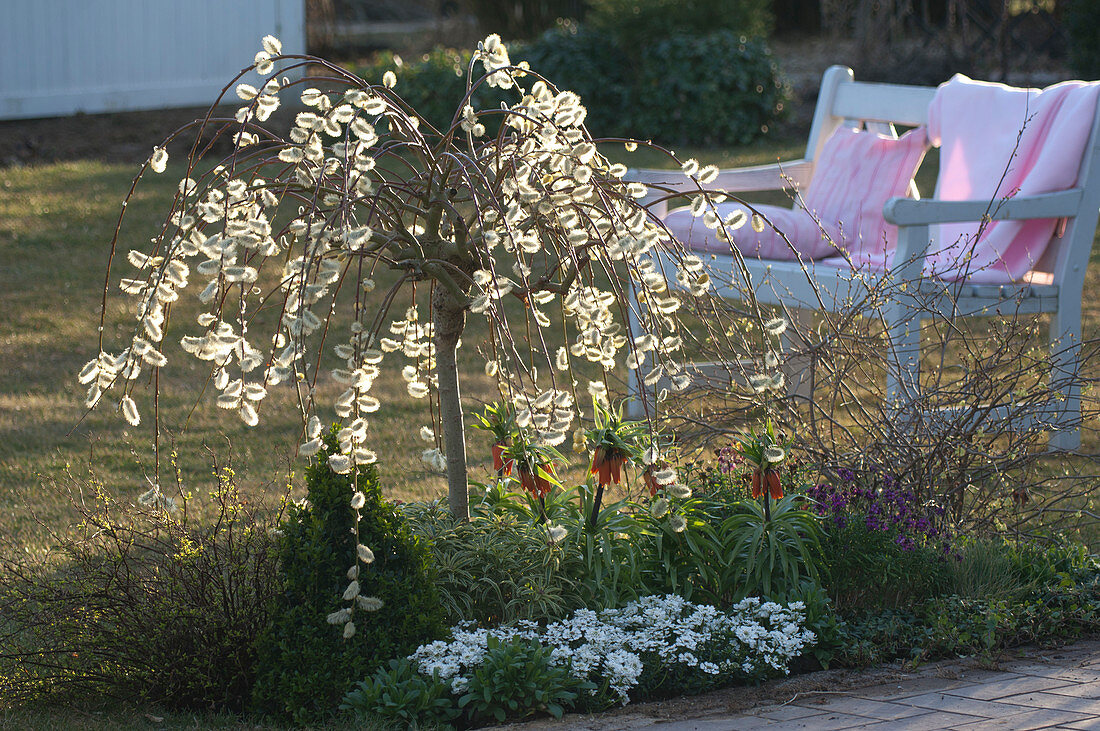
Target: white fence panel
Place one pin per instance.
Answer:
(59, 57)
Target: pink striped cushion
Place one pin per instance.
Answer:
(857, 172)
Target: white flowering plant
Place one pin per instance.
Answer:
(533, 229)
(653, 645)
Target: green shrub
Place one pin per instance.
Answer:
(402, 696)
(306, 665)
(495, 570)
(590, 62)
(987, 568)
(641, 23)
(749, 554)
(953, 625)
(435, 84)
(1082, 19)
(867, 569)
(144, 604)
(717, 88)
(1057, 563)
(518, 678)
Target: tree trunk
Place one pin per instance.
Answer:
(450, 319)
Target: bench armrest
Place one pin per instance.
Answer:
(908, 212)
(775, 176)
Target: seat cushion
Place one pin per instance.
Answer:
(856, 173)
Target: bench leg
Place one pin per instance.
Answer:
(1065, 352)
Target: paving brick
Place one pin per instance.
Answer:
(827, 722)
(1076, 674)
(869, 708)
(1028, 720)
(733, 723)
(787, 712)
(958, 704)
(1081, 690)
(1056, 700)
(908, 687)
(928, 721)
(994, 689)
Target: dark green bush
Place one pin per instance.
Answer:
(496, 569)
(306, 664)
(1059, 563)
(1082, 19)
(717, 88)
(1061, 611)
(641, 23)
(590, 62)
(141, 605)
(516, 678)
(435, 84)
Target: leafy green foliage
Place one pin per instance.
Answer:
(590, 63)
(516, 679)
(145, 604)
(495, 569)
(771, 555)
(306, 666)
(402, 696)
(1082, 19)
(733, 102)
(986, 568)
(434, 85)
(713, 88)
(866, 569)
(518, 21)
(1064, 608)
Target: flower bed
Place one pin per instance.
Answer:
(611, 647)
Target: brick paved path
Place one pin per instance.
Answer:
(1043, 691)
(1039, 689)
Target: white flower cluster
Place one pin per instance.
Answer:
(613, 645)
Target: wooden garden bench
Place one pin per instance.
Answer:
(1053, 285)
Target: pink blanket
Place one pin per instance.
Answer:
(978, 126)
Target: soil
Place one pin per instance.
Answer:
(126, 137)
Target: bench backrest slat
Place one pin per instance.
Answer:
(906, 105)
(842, 99)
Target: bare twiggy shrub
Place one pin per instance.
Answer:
(141, 602)
(973, 435)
